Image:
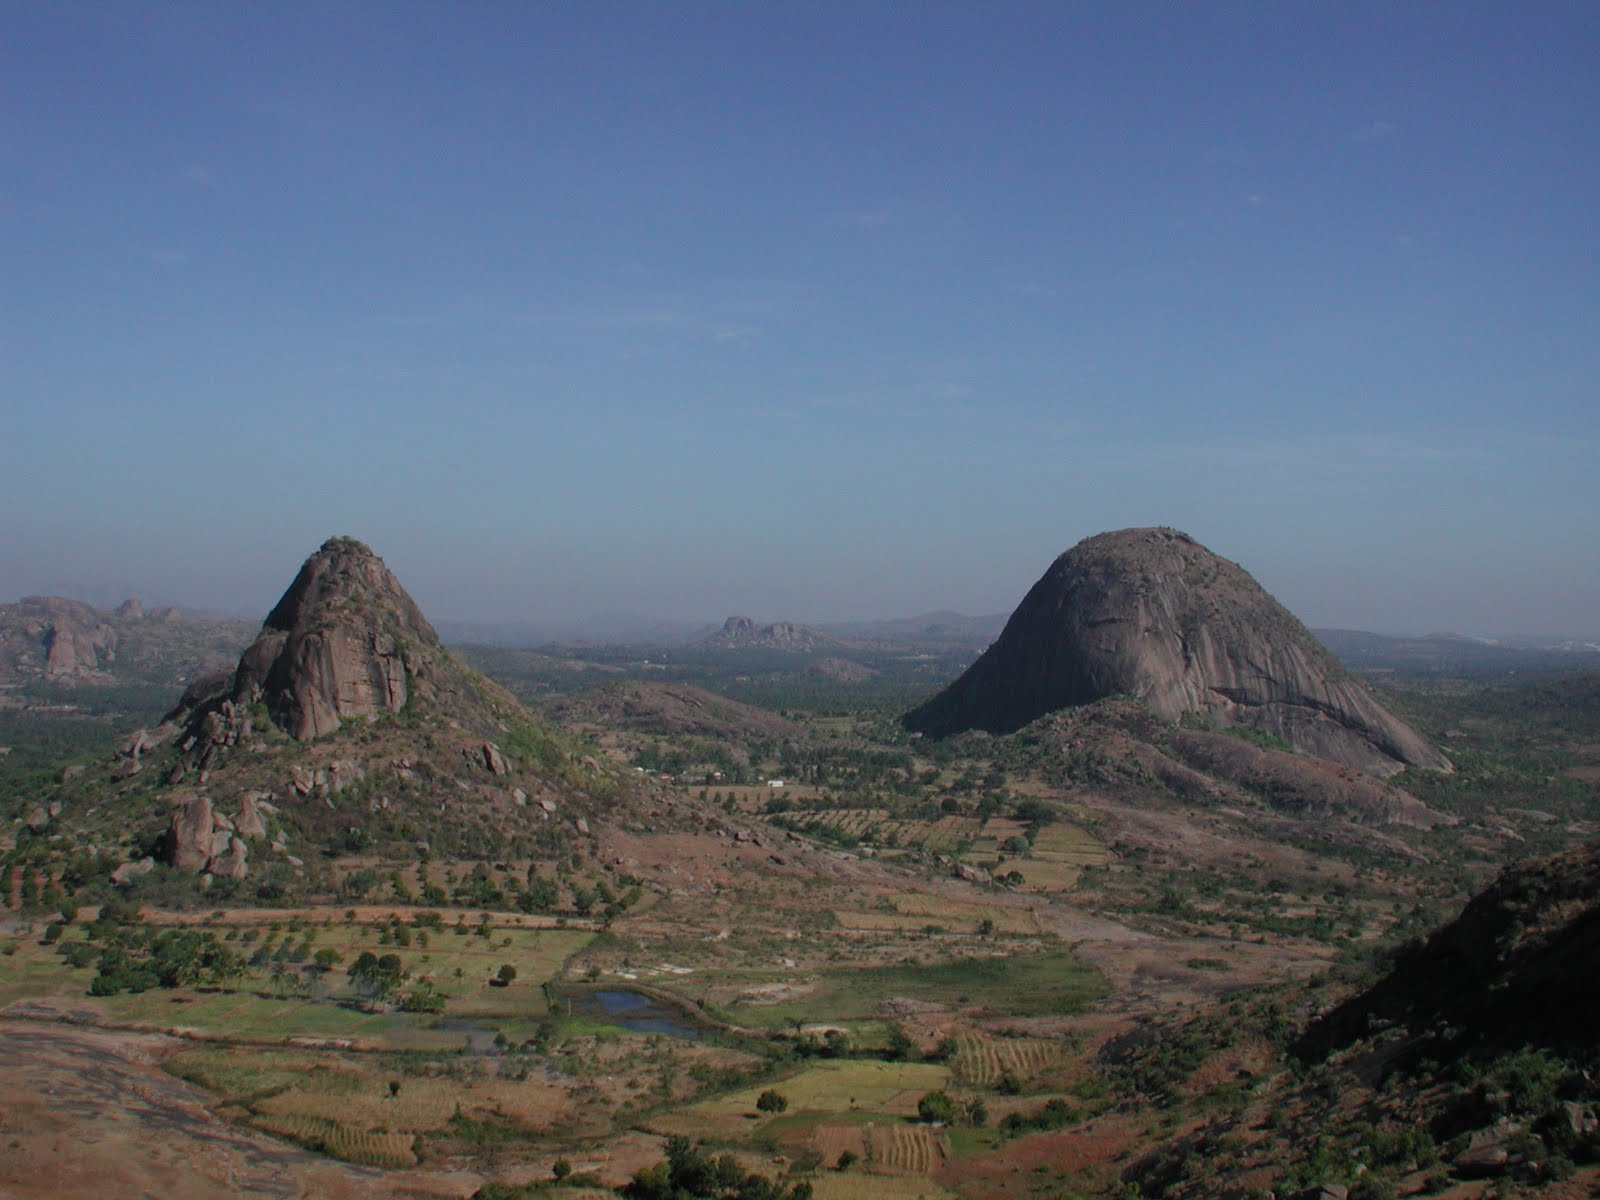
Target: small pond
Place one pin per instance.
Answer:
(635, 1011)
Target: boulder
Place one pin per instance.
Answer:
(494, 760)
(972, 874)
(189, 834)
(128, 872)
(232, 864)
(251, 821)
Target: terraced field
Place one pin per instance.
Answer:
(319, 1133)
(982, 1060)
(906, 1149)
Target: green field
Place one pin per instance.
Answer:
(832, 1090)
(1052, 982)
(301, 1002)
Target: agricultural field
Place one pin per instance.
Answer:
(1043, 982)
(859, 1091)
(282, 993)
(984, 1061)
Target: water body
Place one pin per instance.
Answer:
(636, 1012)
(479, 1038)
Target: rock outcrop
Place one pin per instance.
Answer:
(346, 642)
(68, 644)
(741, 633)
(1152, 614)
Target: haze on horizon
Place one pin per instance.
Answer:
(808, 312)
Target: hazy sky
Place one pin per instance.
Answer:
(806, 311)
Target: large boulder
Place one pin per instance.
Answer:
(189, 834)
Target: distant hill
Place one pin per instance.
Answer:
(1449, 654)
(674, 709)
(741, 633)
(1152, 614)
(942, 626)
(66, 643)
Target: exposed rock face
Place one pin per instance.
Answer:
(345, 642)
(189, 834)
(1153, 614)
(1123, 744)
(67, 642)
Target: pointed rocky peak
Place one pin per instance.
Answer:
(1152, 614)
(345, 642)
(345, 581)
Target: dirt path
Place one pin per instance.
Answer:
(88, 1113)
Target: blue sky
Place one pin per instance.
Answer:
(808, 311)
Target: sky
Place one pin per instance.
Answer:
(807, 311)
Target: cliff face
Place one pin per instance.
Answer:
(1153, 614)
(345, 642)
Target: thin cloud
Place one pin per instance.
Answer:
(201, 176)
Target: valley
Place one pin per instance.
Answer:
(383, 909)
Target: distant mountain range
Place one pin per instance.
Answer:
(1455, 654)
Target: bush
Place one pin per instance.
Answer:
(772, 1101)
(937, 1108)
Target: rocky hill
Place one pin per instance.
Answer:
(1152, 614)
(345, 728)
(346, 642)
(741, 633)
(675, 710)
(62, 643)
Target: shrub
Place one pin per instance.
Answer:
(772, 1101)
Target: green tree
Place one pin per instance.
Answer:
(937, 1108)
(772, 1101)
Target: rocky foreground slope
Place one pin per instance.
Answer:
(1152, 614)
(1518, 967)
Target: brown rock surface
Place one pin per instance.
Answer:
(1152, 614)
(345, 642)
(189, 834)
(251, 821)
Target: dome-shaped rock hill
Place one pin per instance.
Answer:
(1153, 614)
